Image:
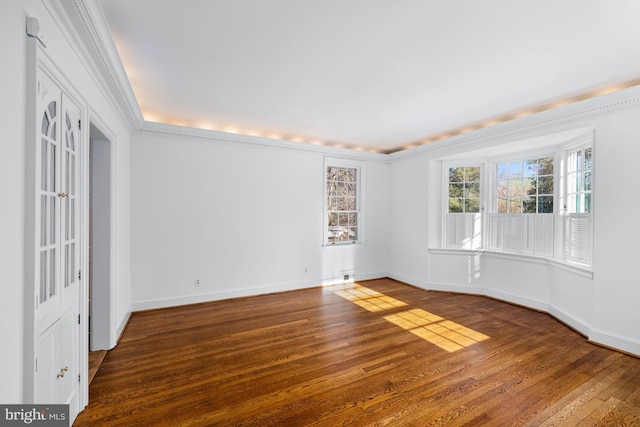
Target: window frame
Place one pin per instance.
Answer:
(464, 225)
(359, 201)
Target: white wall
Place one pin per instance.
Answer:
(12, 111)
(12, 169)
(244, 219)
(604, 307)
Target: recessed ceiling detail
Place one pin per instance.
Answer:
(369, 75)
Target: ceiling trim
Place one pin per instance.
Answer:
(587, 108)
(86, 22)
(89, 33)
(175, 131)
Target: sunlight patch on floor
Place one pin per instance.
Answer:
(448, 335)
(367, 298)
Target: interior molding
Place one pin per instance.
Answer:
(219, 295)
(566, 114)
(87, 31)
(98, 49)
(615, 342)
(175, 131)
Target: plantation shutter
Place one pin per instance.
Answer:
(543, 234)
(464, 230)
(578, 238)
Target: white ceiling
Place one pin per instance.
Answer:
(380, 74)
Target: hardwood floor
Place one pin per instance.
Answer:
(375, 353)
(95, 360)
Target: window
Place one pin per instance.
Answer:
(538, 202)
(464, 221)
(522, 220)
(464, 189)
(525, 186)
(577, 209)
(343, 221)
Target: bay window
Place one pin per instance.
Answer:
(537, 205)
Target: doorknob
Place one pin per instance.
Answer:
(62, 372)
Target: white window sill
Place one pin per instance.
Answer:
(584, 270)
(342, 245)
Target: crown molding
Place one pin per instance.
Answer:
(86, 28)
(174, 131)
(522, 127)
(84, 25)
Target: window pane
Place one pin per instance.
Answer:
(472, 174)
(587, 159)
(43, 220)
(501, 190)
(455, 205)
(502, 205)
(515, 205)
(44, 145)
(350, 203)
(43, 276)
(343, 218)
(502, 171)
(529, 204)
(530, 168)
(333, 219)
(587, 202)
(515, 170)
(545, 185)
(456, 174)
(351, 233)
(472, 190)
(456, 190)
(472, 205)
(332, 203)
(515, 188)
(545, 204)
(545, 166)
(587, 181)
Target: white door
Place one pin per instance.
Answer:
(57, 258)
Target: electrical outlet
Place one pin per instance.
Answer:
(196, 283)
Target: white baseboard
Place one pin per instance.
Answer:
(243, 292)
(218, 295)
(606, 339)
(579, 325)
(413, 281)
(517, 299)
(121, 327)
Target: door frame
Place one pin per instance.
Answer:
(107, 330)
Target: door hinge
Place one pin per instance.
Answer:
(78, 377)
(36, 364)
(79, 275)
(78, 318)
(79, 124)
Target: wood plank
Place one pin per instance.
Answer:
(315, 358)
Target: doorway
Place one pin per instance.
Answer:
(101, 294)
